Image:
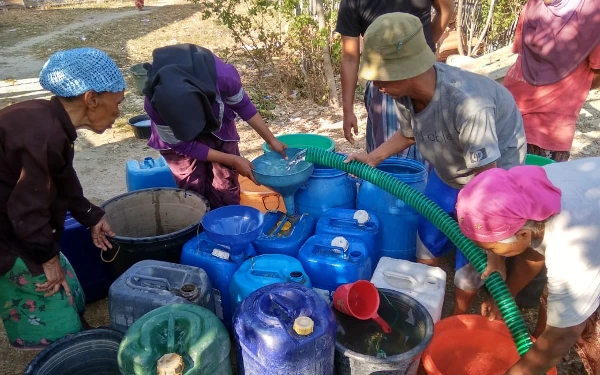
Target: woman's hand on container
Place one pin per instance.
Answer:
(490, 309)
(277, 146)
(245, 168)
(55, 278)
(99, 233)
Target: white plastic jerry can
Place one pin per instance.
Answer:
(424, 283)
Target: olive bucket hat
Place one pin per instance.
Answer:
(395, 49)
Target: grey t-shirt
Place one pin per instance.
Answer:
(470, 122)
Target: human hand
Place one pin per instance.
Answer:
(99, 233)
(490, 309)
(245, 168)
(350, 123)
(277, 146)
(55, 278)
(362, 157)
(495, 263)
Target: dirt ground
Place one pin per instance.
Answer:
(28, 37)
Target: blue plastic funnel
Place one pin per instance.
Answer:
(233, 226)
(270, 170)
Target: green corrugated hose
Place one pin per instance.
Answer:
(443, 221)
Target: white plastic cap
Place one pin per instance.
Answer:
(340, 242)
(361, 216)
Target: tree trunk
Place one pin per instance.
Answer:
(327, 66)
(488, 23)
(459, 26)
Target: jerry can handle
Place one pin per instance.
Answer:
(401, 276)
(341, 223)
(158, 280)
(149, 162)
(264, 200)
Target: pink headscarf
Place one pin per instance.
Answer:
(497, 203)
(557, 37)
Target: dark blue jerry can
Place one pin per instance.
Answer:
(219, 265)
(332, 261)
(285, 329)
(284, 235)
(95, 276)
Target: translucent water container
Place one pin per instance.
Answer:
(333, 261)
(359, 224)
(285, 329)
(148, 173)
(285, 235)
(424, 283)
(220, 266)
(265, 270)
(150, 284)
(176, 339)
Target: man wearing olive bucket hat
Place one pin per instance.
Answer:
(462, 123)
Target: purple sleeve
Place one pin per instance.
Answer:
(191, 149)
(234, 95)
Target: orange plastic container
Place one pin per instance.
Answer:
(470, 345)
(260, 197)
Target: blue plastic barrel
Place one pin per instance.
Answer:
(219, 265)
(285, 329)
(95, 276)
(149, 173)
(331, 261)
(326, 188)
(264, 270)
(150, 284)
(284, 235)
(359, 224)
(398, 222)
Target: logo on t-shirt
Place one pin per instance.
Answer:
(478, 155)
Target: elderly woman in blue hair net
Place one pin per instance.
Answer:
(41, 300)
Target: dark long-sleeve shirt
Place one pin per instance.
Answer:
(38, 184)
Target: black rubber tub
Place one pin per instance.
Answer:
(361, 348)
(141, 126)
(92, 352)
(152, 224)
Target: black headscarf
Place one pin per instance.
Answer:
(181, 85)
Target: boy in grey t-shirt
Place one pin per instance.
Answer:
(461, 122)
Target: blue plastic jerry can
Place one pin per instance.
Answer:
(285, 235)
(359, 224)
(219, 265)
(331, 261)
(149, 173)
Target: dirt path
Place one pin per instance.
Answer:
(15, 63)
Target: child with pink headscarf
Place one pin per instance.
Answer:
(544, 215)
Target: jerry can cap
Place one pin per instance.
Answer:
(303, 325)
(340, 242)
(170, 364)
(361, 216)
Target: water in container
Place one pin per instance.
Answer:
(424, 283)
(333, 261)
(285, 329)
(284, 234)
(150, 284)
(149, 173)
(398, 221)
(348, 223)
(95, 276)
(219, 265)
(264, 270)
(176, 339)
